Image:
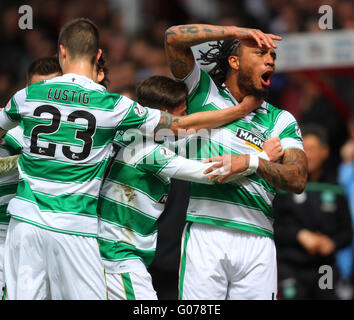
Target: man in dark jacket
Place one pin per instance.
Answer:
(311, 227)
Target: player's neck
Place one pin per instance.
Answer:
(232, 86)
(83, 68)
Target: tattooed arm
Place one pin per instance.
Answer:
(290, 175)
(208, 119)
(180, 39)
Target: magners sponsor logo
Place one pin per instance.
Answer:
(254, 140)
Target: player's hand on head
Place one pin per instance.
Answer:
(262, 39)
(272, 147)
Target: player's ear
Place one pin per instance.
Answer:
(98, 56)
(62, 51)
(234, 62)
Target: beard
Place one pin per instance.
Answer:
(247, 86)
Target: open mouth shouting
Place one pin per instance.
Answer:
(265, 78)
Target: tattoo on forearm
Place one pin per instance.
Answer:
(289, 176)
(188, 29)
(165, 121)
(168, 33)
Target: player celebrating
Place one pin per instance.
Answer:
(135, 192)
(228, 249)
(69, 122)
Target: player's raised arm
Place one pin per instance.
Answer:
(179, 40)
(208, 119)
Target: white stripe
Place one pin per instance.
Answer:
(228, 212)
(59, 188)
(283, 121)
(72, 223)
(113, 232)
(288, 143)
(256, 189)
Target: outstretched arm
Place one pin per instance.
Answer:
(180, 39)
(290, 175)
(208, 119)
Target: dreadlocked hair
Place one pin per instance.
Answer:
(219, 53)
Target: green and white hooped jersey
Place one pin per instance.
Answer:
(11, 144)
(132, 198)
(69, 123)
(248, 205)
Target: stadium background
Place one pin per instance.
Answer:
(132, 35)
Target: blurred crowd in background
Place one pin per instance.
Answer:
(132, 36)
(132, 39)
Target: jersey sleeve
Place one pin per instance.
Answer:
(288, 131)
(14, 139)
(10, 115)
(131, 114)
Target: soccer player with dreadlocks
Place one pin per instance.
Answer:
(228, 250)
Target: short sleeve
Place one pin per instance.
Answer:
(131, 115)
(10, 115)
(288, 131)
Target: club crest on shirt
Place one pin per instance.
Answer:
(139, 110)
(252, 138)
(166, 152)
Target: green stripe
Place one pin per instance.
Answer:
(131, 120)
(7, 189)
(128, 286)
(153, 186)
(127, 216)
(200, 94)
(4, 217)
(290, 132)
(230, 224)
(119, 250)
(231, 194)
(79, 204)
(12, 113)
(102, 101)
(53, 170)
(12, 145)
(182, 268)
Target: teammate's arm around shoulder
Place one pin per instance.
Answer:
(207, 119)
(179, 40)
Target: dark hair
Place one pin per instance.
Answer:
(161, 92)
(101, 65)
(43, 66)
(219, 54)
(81, 38)
(316, 130)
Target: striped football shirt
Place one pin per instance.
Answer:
(69, 123)
(248, 205)
(133, 197)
